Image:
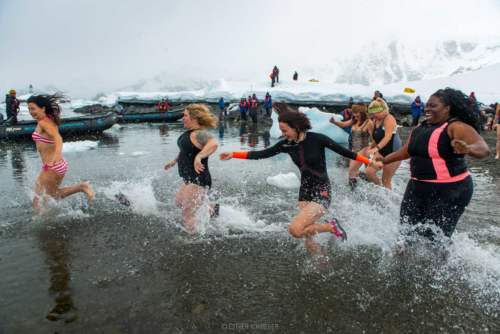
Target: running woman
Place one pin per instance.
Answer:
(195, 146)
(440, 186)
(385, 140)
(46, 111)
(307, 150)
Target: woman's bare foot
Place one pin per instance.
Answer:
(87, 189)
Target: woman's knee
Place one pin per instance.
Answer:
(295, 231)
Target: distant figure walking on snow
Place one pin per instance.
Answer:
(275, 76)
(295, 76)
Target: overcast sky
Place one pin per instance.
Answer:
(88, 46)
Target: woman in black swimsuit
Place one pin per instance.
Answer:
(441, 186)
(307, 150)
(385, 140)
(195, 145)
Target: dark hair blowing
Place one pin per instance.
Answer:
(50, 103)
(295, 119)
(460, 106)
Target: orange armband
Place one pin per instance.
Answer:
(240, 155)
(363, 159)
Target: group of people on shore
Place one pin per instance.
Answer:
(251, 107)
(163, 105)
(439, 189)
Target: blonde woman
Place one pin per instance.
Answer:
(195, 146)
(385, 140)
(361, 128)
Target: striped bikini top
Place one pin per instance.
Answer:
(38, 137)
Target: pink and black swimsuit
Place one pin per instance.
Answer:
(60, 167)
(440, 186)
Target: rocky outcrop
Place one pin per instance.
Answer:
(93, 109)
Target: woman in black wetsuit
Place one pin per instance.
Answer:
(385, 140)
(440, 186)
(195, 145)
(307, 150)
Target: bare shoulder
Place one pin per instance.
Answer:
(201, 136)
(458, 128)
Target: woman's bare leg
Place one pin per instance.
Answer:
(309, 213)
(498, 142)
(190, 198)
(388, 172)
(83, 187)
(371, 175)
(354, 168)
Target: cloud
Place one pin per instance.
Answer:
(88, 46)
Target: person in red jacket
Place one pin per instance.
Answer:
(163, 105)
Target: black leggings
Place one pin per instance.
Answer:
(439, 204)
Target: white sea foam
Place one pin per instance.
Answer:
(139, 193)
(79, 146)
(286, 181)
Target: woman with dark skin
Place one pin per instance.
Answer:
(440, 186)
(45, 110)
(307, 150)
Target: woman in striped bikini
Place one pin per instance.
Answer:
(440, 186)
(45, 110)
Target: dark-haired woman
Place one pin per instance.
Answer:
(361, 128)
(46, 111)
(440, 186)
(307, 150)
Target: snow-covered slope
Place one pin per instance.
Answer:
(401, 61)
(484, 82)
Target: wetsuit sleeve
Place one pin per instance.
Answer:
(332, 145)
(263, 154)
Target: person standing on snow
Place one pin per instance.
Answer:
(268, 104)
(222, 106)
(417, 109)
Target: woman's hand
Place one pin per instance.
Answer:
(170, 164)
(226, 155)
(333, 121)
(377, 162)
(460, 146)
(198, 166)
(372, 151)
